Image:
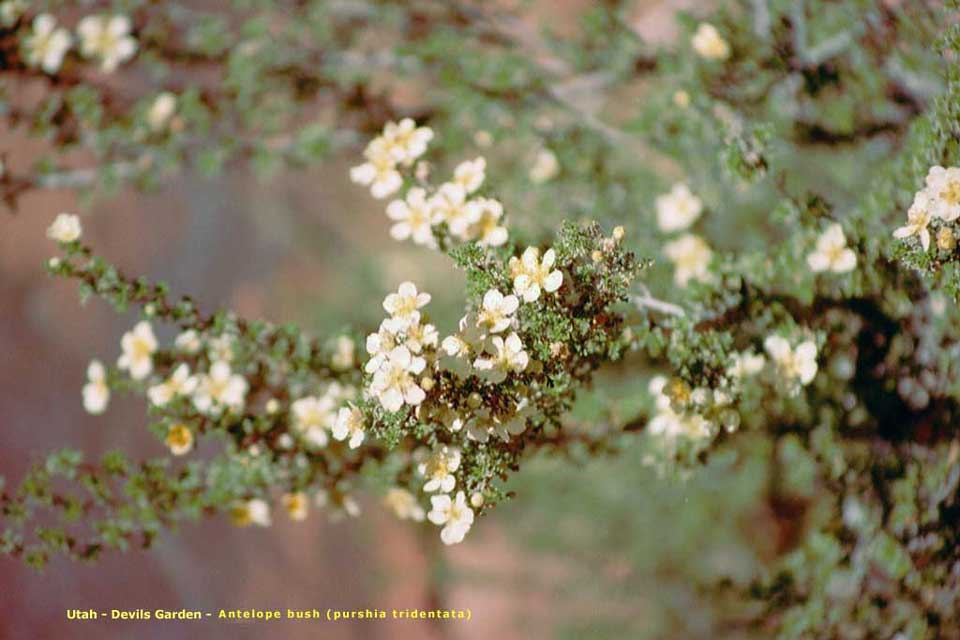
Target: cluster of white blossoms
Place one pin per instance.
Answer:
(397, 350)
(399, 145)
(690, 254)
(105, 39)
(832, 253)
(938, 200)
(211, 392)
(709, 44)
(422, 210)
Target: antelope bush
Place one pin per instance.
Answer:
(753, 240)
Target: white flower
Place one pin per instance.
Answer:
(545, 167)
(531, 275)
(795, 364)
(251, 512)
(944, 188)
(188, 341)
(709, 44)
(746, 363)
(509, 357)
(438, 470)
(414, 218)
(470, 174)
(669, 424)
(450, 205)
(832, 253)
(691, 258)
(96, 393)
(138, 347)
(393, 383)
(455, 516)
(179, 383)
(678, 209)
(179, 439)
(11, 10)
(65, 228)
(349, 423)
(343, 357)
(403, 306)
(495, 314)
(380, 344)
(487, 230)
(297, 505)
(162, 109)
(312, 417)
(379, 172)
(108, 39)
(46, 45)
(419, 336)
(218, 389)
(220, 349)
(404, 505)
(918, 218)
(406, 141)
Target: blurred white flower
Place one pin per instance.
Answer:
(188, 341)
(251, 512)
(313, 416)
(96, 393)
(218, 389)
(296, 505)
(138, 347)
(487, 230)
(404, 504)
(413, 218)
(343, 353)
(450, 205)
(832, 253)
(470, 175)
(691, 256)
(161, 110)
(379, 172)
(180, 382)
(66, 227)
(406, 141)
(179, 439)
(46, 45)
(545, 167)
(709, 44)
(108, 39)
(670, 425)
(678, 209)
(794, 364)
